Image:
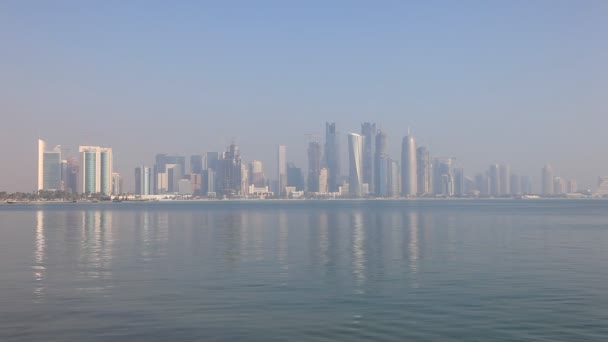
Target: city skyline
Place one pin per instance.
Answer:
(227, 174)
(468, 83)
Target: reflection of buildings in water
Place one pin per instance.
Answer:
(40, 257)
(96, 244)
(151, 234)
(413, 252)
(358, 249)
(283, 247)
(323, 240)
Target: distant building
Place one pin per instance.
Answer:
(482, 184)
(229, 172)
(504, 174)
(441, 167)
(424, 171)
(515, 185)
(116, 184)
(49, 167)
(332, 155)
(459, 179)
(602, 187)
(559, 186)
(494, 180)
(572, 186)
(97, 168)
(394, 178)
(355, 153)
(314, 166)
(368, 131)
(163, 181)
(282, 170)
(381, 165)
(196, 164)
(184, 187)
(408, 167)
(256, 174)
(143, 181)
(295, 177)
(547, 180)
(323, 177)
(526, 185)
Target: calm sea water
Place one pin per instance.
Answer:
(305, 271)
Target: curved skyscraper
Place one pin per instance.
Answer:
(355, 154)
(408, 166)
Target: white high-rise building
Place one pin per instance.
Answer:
(96, 169)
(282, 170)
(355, 153)
(409, 184)
(49, 167)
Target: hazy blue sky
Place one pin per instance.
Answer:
(523, 82)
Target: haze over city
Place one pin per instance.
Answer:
(521, 83)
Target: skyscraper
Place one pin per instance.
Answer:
(196, 164)
(381, 165)
(504, 175)
(256, 174)
(424, 171)
(332, 156)
(368, 130)
(442, 167)
(282, 169)
(515, 185)
(96, 166)
(547, 180)
(459, 180)
(408, 167)
(229, 173)
(394, 178)
(494, 178)
(49, 167)
(571, 186)
(526, 185)
(163, 182)
(295, 177)
(143, 180)
(116, 183)
(355, 153)
(314, 166)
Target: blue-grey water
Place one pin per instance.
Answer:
(305, 271)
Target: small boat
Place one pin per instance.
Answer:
(117, 200)
(11, 202)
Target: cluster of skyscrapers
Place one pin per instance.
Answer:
(372, 172)
(92, 174)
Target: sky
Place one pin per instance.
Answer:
(518, 82)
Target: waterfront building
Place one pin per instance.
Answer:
(355, 152)
(143, 181)
(295, 177)
(368, 131)
(408, 167)
(282, 170)
(459, 180)
(504, 175)
(547, 180)
(424, 172)
(314, 166)
(381, 165)
(332, 155)
(49, 167)
(97, 168)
